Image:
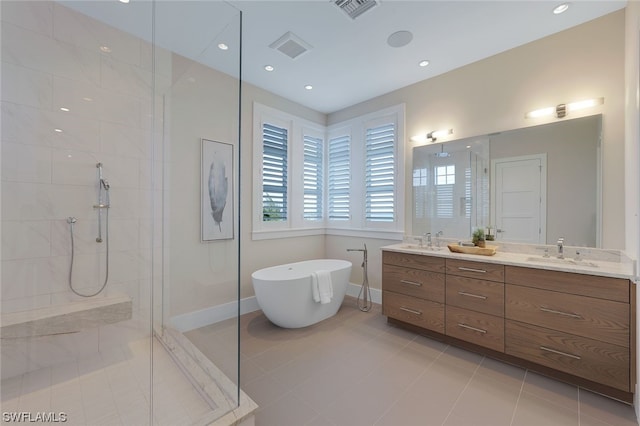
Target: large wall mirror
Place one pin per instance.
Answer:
(531, 185)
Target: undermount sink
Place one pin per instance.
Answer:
(565, 261)
(419, 247)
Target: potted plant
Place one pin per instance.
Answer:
(478, 237)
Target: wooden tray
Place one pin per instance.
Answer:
(484, 251)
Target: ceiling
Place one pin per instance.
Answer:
(349, 60)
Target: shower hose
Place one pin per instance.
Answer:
(72, 221)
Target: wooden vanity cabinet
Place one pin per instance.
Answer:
(576, 323)
(474, 308)
(413, 289)
(576, 327)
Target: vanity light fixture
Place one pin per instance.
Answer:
(561, 110)
(432, 136)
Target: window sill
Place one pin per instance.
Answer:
(307, 232)
(286, 233)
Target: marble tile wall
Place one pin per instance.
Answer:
(51, 59)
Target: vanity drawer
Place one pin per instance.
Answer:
(477, 295)
(420, 312)
(414, 282)
(584, 316)
(590, 359)
(474, 327)
(480, 270)
(414, 261)
(607, 288)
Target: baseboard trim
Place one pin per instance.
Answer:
(214, 314)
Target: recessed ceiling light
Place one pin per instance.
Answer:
(105, 49)
(124, 1)
(399, 39)
(57, 130)
(64, 109)
(560, 8)
(308, 87)
(269, 68)
(87, 99)
(223, 46)
(423, 63)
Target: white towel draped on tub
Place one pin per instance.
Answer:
(321, 286)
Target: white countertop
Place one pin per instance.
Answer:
(621, 269)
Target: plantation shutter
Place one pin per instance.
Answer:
(274, 173)
(380, 173)
(313, 178)
(339, 178)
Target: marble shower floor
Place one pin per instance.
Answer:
(355, 369)
(110, 388)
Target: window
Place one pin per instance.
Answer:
(339, 177)
(445, 178)
(310, 179)
(445, 175)
(274, 173)
(313, 177)
(366, 175)
(380, 173)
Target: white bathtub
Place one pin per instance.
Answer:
(285, 296)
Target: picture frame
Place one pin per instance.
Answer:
(216, 190)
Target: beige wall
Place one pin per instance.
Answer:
(203, 103)
(484, 97)
(493, 95)
(632, 151)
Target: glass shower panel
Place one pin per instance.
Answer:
(450, 183)
(198, 94)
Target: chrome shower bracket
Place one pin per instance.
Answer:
(103, 203)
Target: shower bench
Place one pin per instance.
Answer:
(69, 318)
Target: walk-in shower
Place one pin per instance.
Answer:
(99, 200)
(103, 204)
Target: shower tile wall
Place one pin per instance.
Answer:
(51, 58)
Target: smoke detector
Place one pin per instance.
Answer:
(291, 45)
(355, 8)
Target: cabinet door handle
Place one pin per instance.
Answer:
(411, 283)
(462, 268)
(566, 314)
(477, 296)
(479, 330)
(544, 348)
(411, 311)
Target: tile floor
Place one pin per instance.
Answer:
(355, 369)
(110, 388)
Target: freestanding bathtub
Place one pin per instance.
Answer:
(285, 295)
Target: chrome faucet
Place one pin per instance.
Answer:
(438, 235)
(560, 254)
(427, 237)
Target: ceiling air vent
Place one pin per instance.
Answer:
(291, 45)
(355, 8)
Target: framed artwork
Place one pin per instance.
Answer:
(216, 189)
